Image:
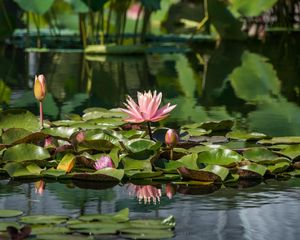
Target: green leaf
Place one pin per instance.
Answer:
(25, 152)
(255, 79)
(278, 167)
(19, 119)
(151, 5)
(121, 216)
(292, 152)
(133, 233)
(60, 132)
(52, 173)
(252, 171)
(4, 225)
(48, 229)
(6, 213)
(134, 174)
(280, 140)
(67, 163)
(103, 113)
(140, 144)
(13, 136)
(62, 237)
(245, 136)
(44, 219)
(189, 161)
(223, 157)
(132, 164)
(79, 6)
(95, 5)
(211, 173)
(105, 175)
(252, 8)
(262, 156)
(223, 125)
(35, 6)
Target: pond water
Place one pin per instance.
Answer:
(269, 210)
(255, 84)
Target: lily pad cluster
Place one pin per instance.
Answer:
(209, 152)
(90, 226)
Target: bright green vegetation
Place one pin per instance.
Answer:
(208, 153)
(58, 227)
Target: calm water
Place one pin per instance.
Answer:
(264, 97)
(269, 210)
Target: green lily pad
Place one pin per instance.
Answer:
(131, 134)
(223, 157)
(203, 148)
(140, 145)
(278, 167)
(4, 225)
(166, 223)
(6, 213)
(63, 237)
(19, 119)
(104, 113)
(48, 229)
(98, 227)
(133, 164)
(25, 152)
(107, 122)
(13, 134)
(197, 132)
(245, 136)
(121, 216)
(215, 126)
(17, 170)
(44, 219)
(252, 171)
(133, 233)
(60, 132)
(292, 151)
(263, 156)
(189, 161)
(211, 173)
(105, 174)
(280, 140)
(134, 174)
(52, 173)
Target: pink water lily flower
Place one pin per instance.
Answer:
(104, 162)
(147, 109)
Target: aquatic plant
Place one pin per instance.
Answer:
(145, 193)
(104, 162)
(147, 110)
(40, 93)
(171, 139)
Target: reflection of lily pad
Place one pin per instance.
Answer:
(6, 213)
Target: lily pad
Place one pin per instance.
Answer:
(223, 157)
(6, 213)
(105, 174)
(142, 174)
(25, 152)
(146, 234)
(263, 156)
(140, 144)
(252, 171)
(121, 216)
(17, 170)
(67, 163)
(44, 219)
(292, 151)
(211, 173)
(48, 229)
(102, 114)
(19, 119)
(60, 132)
(63, 237)
(52, 173)
(224, 125)
(278, 167)
(4, 225)
(280, 140)
(245, 136)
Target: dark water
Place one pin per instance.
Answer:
(264, 96)
(261, 96)
(269, 210)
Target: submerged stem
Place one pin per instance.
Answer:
(149, 130)
(41, 115)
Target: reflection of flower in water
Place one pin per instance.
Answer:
(170, 190)
(145, 193)
(39, 187)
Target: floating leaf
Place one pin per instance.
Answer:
(52, 173)
(278, 167)
(19, 119)
(242, 135)
(252, 171)
(146, 234)
(262, 156)
(67, 163)
(6, 213)
(189, 161)
(252, 8)
(211, 173)
(48, 229)
(60, 132)
(223, 157)
(17, 170)
(139, 145)
(292, 152)
(214, 126)
(35, 6)
(14, 136)
(280, 140)
(44, 219)
(134, 174)
(105, 174)
(25, 152)
(121, 216)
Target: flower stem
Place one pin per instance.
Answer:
(149, 130)
(41, 115)
(171, 153)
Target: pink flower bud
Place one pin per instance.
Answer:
(80, 136)
(104, 162)
(171, 138)
(40, 88)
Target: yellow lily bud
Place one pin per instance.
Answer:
(40, 87)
